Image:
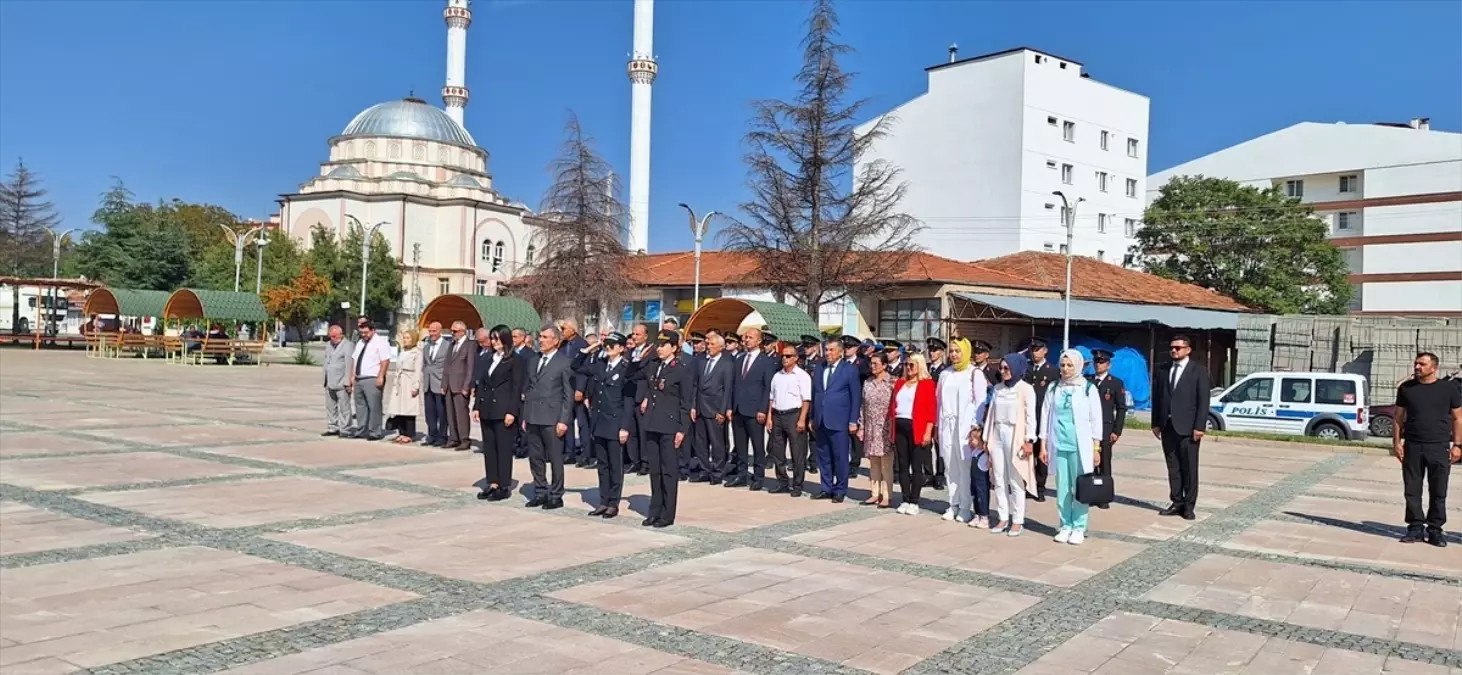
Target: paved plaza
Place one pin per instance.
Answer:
(157, 518)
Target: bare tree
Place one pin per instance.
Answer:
(24, 217)
(817, 210)
(582, 266)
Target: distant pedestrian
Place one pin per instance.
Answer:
(1427, 440)
(337, 382)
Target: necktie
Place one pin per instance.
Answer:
(541, 363)
(1177, 370)
(709, 364)
(746, 364)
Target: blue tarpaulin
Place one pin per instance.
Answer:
(1128, 364)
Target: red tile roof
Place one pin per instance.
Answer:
(1096, 280)
(732, 268)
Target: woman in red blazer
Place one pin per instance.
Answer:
(913, 412)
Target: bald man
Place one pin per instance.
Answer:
(754, 371)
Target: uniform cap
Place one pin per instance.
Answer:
(733, 339)
(697, 336)
(892, 345)
(981, 347)
(1033, 343)
(615, 339)
(811, 340)
(768, 338)
(849, 342)
(935, 344)
(669, 337)
(1101, 355)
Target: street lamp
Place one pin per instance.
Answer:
(698, 228)
(365, 255)
(1070, 224)
(259, 245)
(239, 242)
(55, 268)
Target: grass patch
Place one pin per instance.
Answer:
(302, 355)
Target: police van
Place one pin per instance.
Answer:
(1327, 405)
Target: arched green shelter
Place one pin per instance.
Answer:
(478, 311)
(737, 315)
(193, 303)
(126, 302)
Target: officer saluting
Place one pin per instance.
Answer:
(611, 397)
(665, 418)
(1114, 407)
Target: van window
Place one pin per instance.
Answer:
(1335, 392)
(1295, 390)
(1260, 389)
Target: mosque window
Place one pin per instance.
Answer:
(418, 152)
(486, 250)
(371, 149)
(528, 258)
(395, 150)
(443, 156)
(497, 257)
(464, 159)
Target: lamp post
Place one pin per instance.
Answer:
(239, 242)
(365, 255)
(697, 228)
(1070, 224)
(259, 245)
(55, 268)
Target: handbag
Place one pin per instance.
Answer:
(1094, 488)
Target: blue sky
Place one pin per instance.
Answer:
(230, 102)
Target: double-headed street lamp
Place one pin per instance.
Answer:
(697, 228)
(1070, 211)
(239, 242)
(365, 254)
(56, 240)
(259, 245)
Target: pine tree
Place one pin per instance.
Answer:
(25, 216)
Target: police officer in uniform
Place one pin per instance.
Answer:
(982, 361)
(1114, 407)
(769, 343)
(1041, 374)
(934, 468)
(669, 391)
(859, 361)
(611, 402)
(811, 359)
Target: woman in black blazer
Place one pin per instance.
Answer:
(498, 380)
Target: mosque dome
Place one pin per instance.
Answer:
(408, 118)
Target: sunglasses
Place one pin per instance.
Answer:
(1177, 347)
(789, 356)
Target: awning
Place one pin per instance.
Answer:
(481, 311)
(126, 302)
(193, 303)
(1096, 311)
(730, 315)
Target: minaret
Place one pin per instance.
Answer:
(454, 95)
(642, 70)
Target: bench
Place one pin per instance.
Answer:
(228, 351)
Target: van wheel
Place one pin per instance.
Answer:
(23, 325)
(1328, 431)
(1381, 425)
(1212, 424)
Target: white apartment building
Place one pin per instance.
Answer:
(995, 135)
(1392, 194)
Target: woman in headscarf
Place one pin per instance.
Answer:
(1072, 424)
(961, 391)
(1009, 435)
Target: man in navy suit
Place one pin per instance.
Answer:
(754, 371)
(837, 396)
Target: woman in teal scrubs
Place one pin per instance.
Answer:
(1071, 424)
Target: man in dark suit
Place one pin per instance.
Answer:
(457, 378)
(548, 410)
(983, 361)
(934, 461)
(1114, 407)
(576, 444)
(639, 352)
(714, 389)
(669, 395)
(754, 371)
(523, 349)
(1040, 376)
(611, 403)
(810, 361)
(433, 372)
(837, 396)
(1180, 400)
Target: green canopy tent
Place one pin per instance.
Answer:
(122, 302)
(478, 311)
(734, 315)
(191, 304)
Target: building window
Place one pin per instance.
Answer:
(1066, 171)
(1039, 58)
(909, 320)
(1350, 183)
(528, 256)
(1132, 188)
(1049, 246)
(1101, 255)
(1131, 147)
(1346, 220)
(1101, 223)
(1129, 227)
(1102, 179)
(1049, 205)
(1050, 164)
(497, 257)
(1352, 259)
(1063, 249)
(1065, 213)
(1049, 120)
(444, 286)
(1068, 131)
(1063, 65)
(486, 250)
(1294, 188)
(370, 151)
(418, 152)
(1105, 136)
(482, 286)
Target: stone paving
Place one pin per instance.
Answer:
(157, 518)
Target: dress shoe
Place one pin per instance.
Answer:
(1173, 510)
(466, 445)
(610, 512)
(795, 494)
(582, 463)
(1413, 536)
(1104, 506)
(536, 502)
(822, 495)
(837, 499)
(1436, 539)
(938, 483)
(591, 464)
(500, 494)
(1189, 515)
(776, 489)
(702, 479)
(647, 522)
(736, 482)
(662, 523)
(486, 495)
(643, 470)
(599, 511)
(1041, 497)
(331, 433)
(376, 437)
(553, 504)
(755, 487)
(812, 470)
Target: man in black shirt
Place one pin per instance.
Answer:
(1040, 376)
(1427, 440)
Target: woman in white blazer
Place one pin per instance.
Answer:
(1072, 424)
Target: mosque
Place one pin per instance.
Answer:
(413, 171)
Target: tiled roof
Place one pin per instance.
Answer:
(732, 269)
(1098, 280)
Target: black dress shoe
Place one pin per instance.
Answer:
(1436, 539)
(599, 511)
(736, 482)
(938, 483)
(1104, 506)
(1041, 497)
(610, 512)
(466, 445)
(1188, 515)
(553, 504)
(1171, 511)
(795, 493)
(486, 495)
(837, 499)
(1412, 537)
(776, 489)
(755, 487)
(643, 470)
(812, 470)
(701, 479)
(647, 522)
(663, 523)
(591, 464)
(500, 494)
(536, 502)
(331, 433)
(822, 495)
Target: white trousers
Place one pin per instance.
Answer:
(952, 440)
(1007, 484)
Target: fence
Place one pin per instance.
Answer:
(1381, 349)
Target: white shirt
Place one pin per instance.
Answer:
(1177, 372)
(903, 405)
(711, 363)
(369, 355)
(432, 355)
(791, 389)
(827, 373)
(543, 360)
(746, 361)
(496, 358)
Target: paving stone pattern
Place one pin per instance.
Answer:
(157, 518)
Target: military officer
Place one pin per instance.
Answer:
(811, 359)
(669, 390)
(1040, 376)
(934, 461)
(1114, 407)
(982, 361)
(610, 396)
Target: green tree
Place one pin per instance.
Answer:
(215, 267)
(1254, 245)
(337, 259)
(138, 245)
(293, 304)
(25, 246)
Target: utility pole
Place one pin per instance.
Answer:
(239, 242)
(415, 281)
(697, 228)
(1070, 210)
(367, 233)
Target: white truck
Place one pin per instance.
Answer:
(22, 308)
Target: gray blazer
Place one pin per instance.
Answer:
(432, 368)
(337, 364)
(548, 394)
